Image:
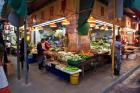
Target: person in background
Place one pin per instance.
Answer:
(123, 42)
(40, 51)
(47, 47)
(3, 53)
(43, 44)
(47, 44)
(22, 53)
(136, 41)
(118, 55)
(8, 46)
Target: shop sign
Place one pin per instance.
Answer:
(134, 25)
(42, 15)
(34, 19)
(128, 22)
(54, 11)
(51, 11)
(63, 6)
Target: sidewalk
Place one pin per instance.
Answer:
(45, 82)
(126, 84)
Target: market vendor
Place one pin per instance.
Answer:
(47, 47)
(118, 55)
(47, 44)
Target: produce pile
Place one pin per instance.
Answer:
(63, 56)
(100, 46)
(55, 49)
(59, 33)
(72, 59)
(71, 68)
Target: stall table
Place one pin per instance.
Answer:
(84, 65)
(62, 73)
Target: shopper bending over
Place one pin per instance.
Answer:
(40, 51)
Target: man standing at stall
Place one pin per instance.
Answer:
(118, 55)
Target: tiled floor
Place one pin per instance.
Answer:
(45, 82)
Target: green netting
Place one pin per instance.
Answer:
(83, 30)
(132, 4)
(85, 11)
(20, 6)
(136, 4)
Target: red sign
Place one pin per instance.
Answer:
(51, 11)
(63, 5)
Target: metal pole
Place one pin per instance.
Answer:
(113, 40)
(34, 38)
(119, 30)
(18, 60)
(25, 52)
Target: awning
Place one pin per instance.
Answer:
(137, 13)
(135, 4)
(22, 7)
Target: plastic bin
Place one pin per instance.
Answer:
(74, 79)
(132, 56)
(73, 63)
(30, 59)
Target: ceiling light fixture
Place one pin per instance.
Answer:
(96, 27)
(91, 20)
(134, 16)
(52, 21)
(65, 22)
(53, 24)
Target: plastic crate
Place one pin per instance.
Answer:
(71, 62)
(61, 75)
(30, 59)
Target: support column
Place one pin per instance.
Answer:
(72, 34)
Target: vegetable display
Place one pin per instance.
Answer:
(100, 46)
(71, 68)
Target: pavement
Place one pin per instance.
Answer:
(45, 82)
(130, 84)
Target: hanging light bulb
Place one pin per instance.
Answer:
(96, 27)
(40, 28)
(102, 28)
(53, 25)
(91, 20)
(92, 25)
(106, 29)
(65, 22)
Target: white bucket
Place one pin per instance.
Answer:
(132, 56)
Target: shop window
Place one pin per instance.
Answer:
(34, 20)
(102, 11)
(42, 16)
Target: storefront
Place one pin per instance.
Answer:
(128, 32)
(71, 53)
(101, 36)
